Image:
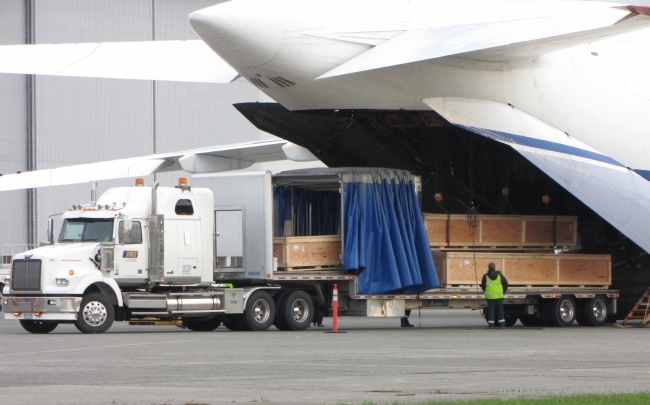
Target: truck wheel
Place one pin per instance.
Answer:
(96, 314)
(595, 311)
(531, 320)
(234, 323)
(562, 311)
(38, 326)
(202, 324)
(297, 310)
(260, 311)
(510, 320)
(546, 308)
(580, 312)
(279, 321)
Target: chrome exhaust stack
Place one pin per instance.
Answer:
(156, 240)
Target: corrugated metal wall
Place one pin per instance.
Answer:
(13, 127)
(82, 120)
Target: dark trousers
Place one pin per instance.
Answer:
(494, 313)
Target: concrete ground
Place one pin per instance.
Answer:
(450, 356)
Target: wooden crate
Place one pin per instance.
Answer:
(525, 269)
(507, 231)
(307, 252)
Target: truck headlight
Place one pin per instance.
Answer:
(62, 282)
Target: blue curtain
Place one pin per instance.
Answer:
(385, 241)
(323, 217)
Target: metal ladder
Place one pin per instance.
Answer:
(641, 310)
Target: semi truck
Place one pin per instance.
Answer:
(250, 250)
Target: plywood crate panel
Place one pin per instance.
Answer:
(307, 251)
(452, 231)
(525, 269)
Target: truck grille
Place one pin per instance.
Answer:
(26, 275)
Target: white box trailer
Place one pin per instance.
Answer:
(204, 256)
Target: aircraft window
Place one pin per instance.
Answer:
(133, 237)
(184, 207)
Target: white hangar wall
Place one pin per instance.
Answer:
(13, 128)
(83, 120)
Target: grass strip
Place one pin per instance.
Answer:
(592, 399)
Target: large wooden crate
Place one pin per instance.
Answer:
(307, 252)
(505, 231)
(525, 269)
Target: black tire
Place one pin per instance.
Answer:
(510, 320)
(234, 323)
(546, 309)
(202, 324)
(595, 311)
(580, 312)
(38, 326)
(296, 311)
(531, 320)
(260, 311)
(562, 311)
(96, 314)
(279, 321)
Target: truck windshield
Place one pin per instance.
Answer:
(87, 230)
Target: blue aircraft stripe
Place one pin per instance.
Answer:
(643, 173)
(542, 144)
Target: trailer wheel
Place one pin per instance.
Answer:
(531, 320)
(279, 321)
(580, 312)
(201, 324)
(260, 311)
(562, 311)
(595, 311)
(545, 309)
(296, 311)
(96, 314)
(38, 326)
(511, 320)
(234, 323)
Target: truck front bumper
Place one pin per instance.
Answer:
(47, 308)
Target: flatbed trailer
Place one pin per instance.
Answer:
(531, 305)
(205, 256)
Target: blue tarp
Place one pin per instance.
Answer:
(385, 240)
(314, 212)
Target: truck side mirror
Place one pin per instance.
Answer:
(50, 231)
(128, 223)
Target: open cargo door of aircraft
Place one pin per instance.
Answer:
(615, 192)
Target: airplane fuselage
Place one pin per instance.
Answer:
(595, 92)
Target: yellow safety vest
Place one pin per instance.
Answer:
(493, 288)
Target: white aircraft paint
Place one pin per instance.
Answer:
(575, 72)
(203, 160)
(181, 61)
(617, 193)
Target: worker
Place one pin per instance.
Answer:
(494, 285)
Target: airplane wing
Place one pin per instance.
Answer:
(615, 192)
(181, 61)
(501, 41)
(204, 160)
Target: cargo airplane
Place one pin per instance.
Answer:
(563, 83)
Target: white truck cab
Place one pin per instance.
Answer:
(133, 239)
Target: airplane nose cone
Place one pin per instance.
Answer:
(246, 33)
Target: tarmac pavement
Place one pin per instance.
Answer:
(450, 354)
